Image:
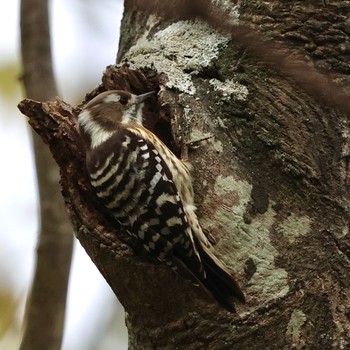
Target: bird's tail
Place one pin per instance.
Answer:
(218, 280)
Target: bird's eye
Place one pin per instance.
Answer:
(123, 100)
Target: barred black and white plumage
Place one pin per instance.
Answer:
(149, 190)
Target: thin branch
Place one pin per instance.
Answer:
(46, 304)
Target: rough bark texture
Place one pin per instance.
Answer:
(272, 185)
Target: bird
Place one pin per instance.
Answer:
(149, 191)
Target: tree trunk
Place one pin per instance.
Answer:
(272, 184)
(46, 304)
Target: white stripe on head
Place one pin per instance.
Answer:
(112, 98)
(97, 133)
(134, 113)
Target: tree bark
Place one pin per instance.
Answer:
(272, 184)
(46, 303)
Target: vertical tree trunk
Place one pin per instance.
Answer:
(273, 184)
(47, 301)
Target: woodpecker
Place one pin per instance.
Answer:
(148, 190)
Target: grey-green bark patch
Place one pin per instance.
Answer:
(231, 11)
(197, 136)
(294, 226)
(225, 185)
(230, 89)
(218, 147)
(297, 320)
(247, 241)
(180, 51)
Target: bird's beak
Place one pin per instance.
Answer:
(141, 98)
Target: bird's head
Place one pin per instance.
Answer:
(104, 114)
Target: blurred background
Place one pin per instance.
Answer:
(85, 40)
